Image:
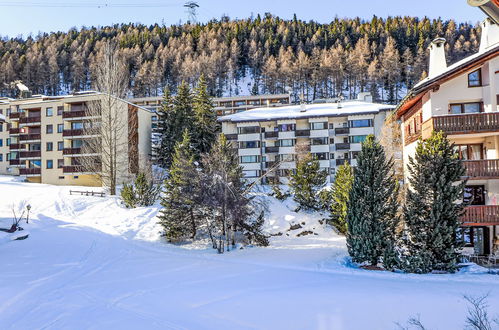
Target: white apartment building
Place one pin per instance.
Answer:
(332, 132)
(462, 101)
(41, 138)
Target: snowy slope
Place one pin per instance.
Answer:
(91, 264)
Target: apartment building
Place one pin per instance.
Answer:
(43, 136)
(462, 101)
(332, 132)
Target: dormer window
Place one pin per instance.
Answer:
(475, 78)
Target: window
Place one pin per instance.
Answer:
(1, 127)
(357, 138)
(249, 159)
(287, 143)
(50, 163)
(7, 142)
(321, 155)
(319, 141)
(248, 130)
(50, 146)
(1, 142)
(361, 123)
(1, 158)
(251, 174)
(331, 156)
(77, 125)
(49, 112)
(331, 140)
(60, 145)
(475, 78)
(287, 157)
(60, 110)
(61, 177)
(469, 151)
(49, 129)
(60, 128)
(60, 163)
(471, 107)
(287, 127)
(354, 154)
(318, 125)
(249, 144)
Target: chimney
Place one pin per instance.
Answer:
(365, 97)
(303, 107)
(438, 63)
(490, 34)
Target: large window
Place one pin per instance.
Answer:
(49, 129)
(357, 138)
(248, 130)
(249, 159)
(50, 146)
(49, 112)
(287, 143)
(471, 107)
(475, 78)
(287, 127)
(469, 151)
(50, 163)
(251, 174)
(318, 125)
(321, 156)
(249, 144)
(319, 141)
(361, 123)
(77, 125)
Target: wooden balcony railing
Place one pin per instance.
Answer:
(72, 132)
(74, 114)
(28, 137)
(342, 131)
(15, 115)
(30, 171)
(13, 131)
(30, 120)
(15, 162)
(16, 146)
(482, 169)
(342, 146)
(466, 123)
(73, 169)
(481, 215)
(30, 154)
(71, 151)
(302, 133)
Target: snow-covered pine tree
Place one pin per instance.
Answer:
(306, 182)
(164, 132)
(337, 198)
(180, 198)
(372, 208)
(205, 132)
(431, 213)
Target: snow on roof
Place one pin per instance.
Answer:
(311, 110)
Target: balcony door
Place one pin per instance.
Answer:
(470, 151)
(474, 195)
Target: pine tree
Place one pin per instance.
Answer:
(164, 131)
(206, 120)
(306, 183)
(338, 196)
(372, 208)
(178, 215)
(431, 213)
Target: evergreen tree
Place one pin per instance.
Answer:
(338, 196)
(306, 183)
(372, 208)
(204, 134)
(164, 132)
(431, 213)
(179, 201)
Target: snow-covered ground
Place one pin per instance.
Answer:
(89, 263)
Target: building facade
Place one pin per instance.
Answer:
(462, 101)
(331, 132)
(42, 137)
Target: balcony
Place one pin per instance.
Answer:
(342, 131)
(482, 169)
(481, 215)
(16, 146)
(271, 150)
(14, 131)
(30, 120)
(231, 137)
(14, 162)
(302, 133)
(30, 171)
(30, 137)
(73, 169)
(342, 146)
(15, 115)
(74, 114)
(71, 151)
(342, 161)
(270, 164)
(30, 154)
(462, 124)
(271, 135)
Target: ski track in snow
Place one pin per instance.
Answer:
(89, 263)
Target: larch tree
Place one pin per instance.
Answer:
(433, 207)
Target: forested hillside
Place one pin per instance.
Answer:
(257, 55)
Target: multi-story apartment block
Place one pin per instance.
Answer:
(332, 132)
(462, 101)
(43, 136)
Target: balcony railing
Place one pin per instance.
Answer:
(270, 150)
(462, 124)
(271, 134)
(28, 137)
(74, 114)
(342, 131)
(15, 162)
(231, 137)
(15, 115)
(30, 120)
(72, 132)
(342, 146)
(481, 215)
(482, 169)
(73, 169)
(341, 161)
(71, 151)
(30, 171)
(16, 146)
(13, 131)
(302, 133)
(30, 154)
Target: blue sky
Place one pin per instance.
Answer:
(22, 17)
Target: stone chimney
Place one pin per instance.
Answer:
(438, 64)
(490, 35)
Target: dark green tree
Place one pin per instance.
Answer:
(205, 132)
(337, 198)
(431, 211)
(179, 201)
(164, 132)
(372, 208)
(306, 183)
